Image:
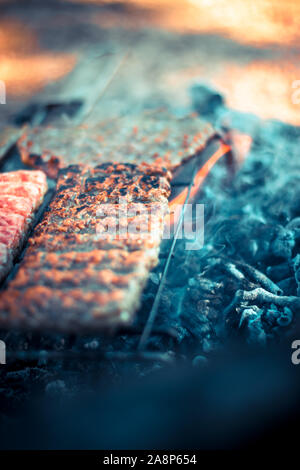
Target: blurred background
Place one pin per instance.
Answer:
(248, 49)
(249, 52)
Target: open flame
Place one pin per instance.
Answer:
(199, 179)
(240, 144)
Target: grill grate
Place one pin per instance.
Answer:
(183, 179)
(153, 313)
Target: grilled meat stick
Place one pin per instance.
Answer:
(76, 274)
(155, 138)
(21, 193)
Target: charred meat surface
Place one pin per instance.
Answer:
(155, 138)
(89, 258)
(21, 193)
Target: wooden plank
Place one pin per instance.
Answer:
(86, 82)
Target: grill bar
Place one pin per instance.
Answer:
(154, 309)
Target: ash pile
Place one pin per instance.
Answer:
(248, 281)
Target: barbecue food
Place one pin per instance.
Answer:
(78, 275)
(8, 137)
(21, 193)
(155, 138)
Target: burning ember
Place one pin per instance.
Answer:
(201, 175)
